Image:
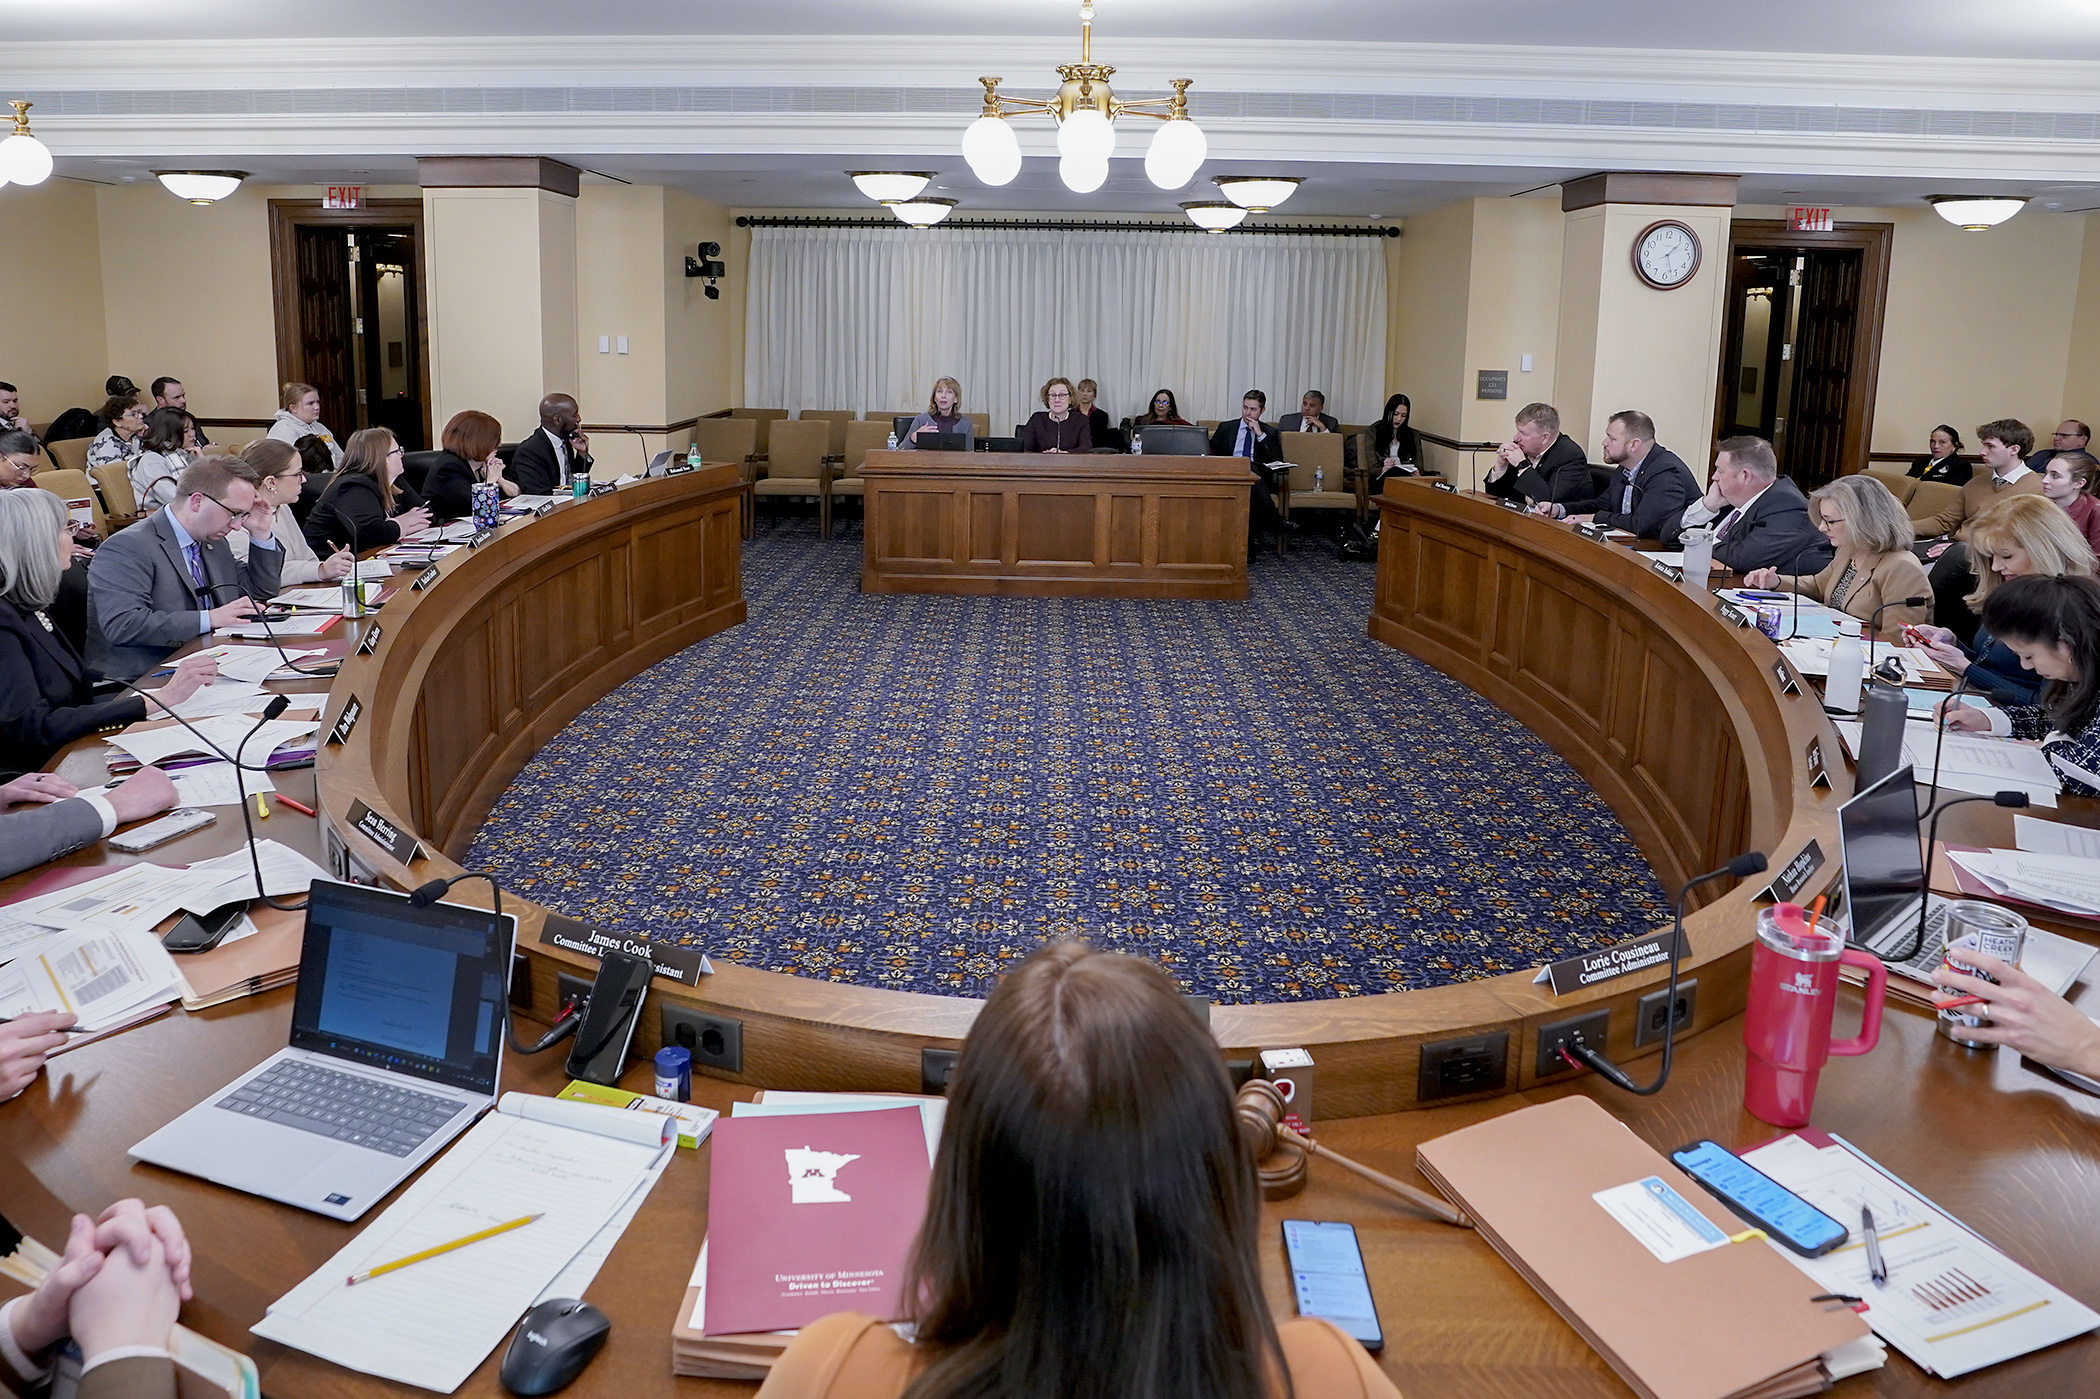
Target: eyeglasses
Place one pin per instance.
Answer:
(1829, 520)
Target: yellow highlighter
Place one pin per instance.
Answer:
(262, 808)
(368, 1274)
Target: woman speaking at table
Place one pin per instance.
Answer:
(1873, 565)
(943, 415)
(365, 505)
(1057, 428)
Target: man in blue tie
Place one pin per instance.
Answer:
(170, 577)
(1248, 436)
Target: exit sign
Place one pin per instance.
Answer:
(344, 197)
(1800, 220)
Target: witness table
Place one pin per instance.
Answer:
(1055, 525)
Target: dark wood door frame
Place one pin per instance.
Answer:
(287, 215)
(1873, 240)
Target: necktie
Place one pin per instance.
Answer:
(196, 564)
(1246, 442)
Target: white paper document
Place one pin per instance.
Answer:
(255, 664)
(307, 624)
(1969, 763)
(442, 1317)
(134, 897)
(1811, 656)
(219, 784)
(229, 734)
(2070, 883)
(781, 1102)
(223, 697)
(313, 599)
(1952, 1302)
(103, 978)
(2040, 837)
(284, 870)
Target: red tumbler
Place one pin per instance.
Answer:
(1793, 992)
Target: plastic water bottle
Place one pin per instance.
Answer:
(893, 441)
(1319, 478)
(692, 455)
(1137, 443)
(1848, 667)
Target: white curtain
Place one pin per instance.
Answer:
(867, 319)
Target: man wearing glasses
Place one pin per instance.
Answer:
(170, 577)
(2071, 435)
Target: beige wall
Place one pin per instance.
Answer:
(503, 319)
(1513, 310)
(619, 290)
(2082, 373)
(53, 340)
(703, 340)
(1426, 320)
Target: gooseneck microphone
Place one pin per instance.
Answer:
(262, 615)
(424, 895)
(1932, 836)
(1874, 622)
(2004, 699)
(1742, 866)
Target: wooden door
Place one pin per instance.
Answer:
(1823, 365)
(324, 325)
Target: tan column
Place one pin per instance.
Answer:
(500, 250)
(1624, 344)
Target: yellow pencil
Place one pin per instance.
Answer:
(370, 1273)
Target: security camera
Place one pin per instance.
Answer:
(712, 292)
(710, 250)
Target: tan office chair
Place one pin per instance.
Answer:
(118, 499)
(861, 439)
(764, 418)
(734, 440)
(73, 487)
(1919, 499)
(1313, 455)
(838, 418)
(980, 426)
(69, 453)
(799, 464)
(1209, 425)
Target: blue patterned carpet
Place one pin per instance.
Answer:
(915, 792)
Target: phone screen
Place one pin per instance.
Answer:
(1775, 1207)
(1327, 1276)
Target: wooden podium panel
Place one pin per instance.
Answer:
(1047, 525)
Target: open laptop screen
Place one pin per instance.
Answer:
(1884, 860)
(419, 991)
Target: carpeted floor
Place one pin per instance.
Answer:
(915, 792)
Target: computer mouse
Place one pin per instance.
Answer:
(554, 1342)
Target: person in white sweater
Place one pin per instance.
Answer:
(301, 417)
(279, 473)
(170, 447)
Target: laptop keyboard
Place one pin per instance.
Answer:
(348, 1107)
(1926, 960)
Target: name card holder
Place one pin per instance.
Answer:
(1794, 878)
(405, 848)
(673, 962)
(481, 537)
(602, 488)
(1730, 612)
(679, 470)
(353, 710)
(1507, 504)
(543, 508)
(1594, 531)
(425, 579)
(1590, 968)
(1784, 674)
(1818, 774)
(1669, 571)
(1444, 486)
(369, 642)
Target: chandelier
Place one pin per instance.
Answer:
(1086, 109)
(1977, 212)
(23, 158)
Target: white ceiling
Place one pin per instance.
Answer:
(2004, 29)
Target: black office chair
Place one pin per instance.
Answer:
(1600, 480)
(416, 468)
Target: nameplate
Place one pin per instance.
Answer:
(1591, 968)
(481, 537)
(1730, 612)
(425, 578)
(369, 642)
(602, 488)
(542, 509)
(684, 965)
(1674, 574)
(1596, 532)
(1507, 504)
(1818, 775)
(1794, 878)
(1784, 674)
(385, 834)
(347, 720)
(1444, 486)
(679, 470)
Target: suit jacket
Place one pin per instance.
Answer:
(352, 512)
(1227, 435)
(1773, 533)
(449, 488)
(30, 835)
(1661, 489)
(46, 694)
(1976, 497)
(142, 603)
(536, 468)
(1040, 433)
(1561, 475)
(1896, 574)
(1295, 422)
(1952, 470)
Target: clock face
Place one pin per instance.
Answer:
(1666, 254)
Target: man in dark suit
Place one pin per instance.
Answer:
(1759, 518)
(1651, 484)
(545, 461)
(1538, 463)
(71, 818)
(1311, 415)
(1249, 437)
(171, 577)
(2071, 435)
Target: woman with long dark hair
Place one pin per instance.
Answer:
(1164, 412)
(365, 505)
(2053, 626)
(1942, 460)
(170, 445)
(1395, 449)
(1091, 1222)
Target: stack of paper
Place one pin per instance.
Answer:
(457, 532)
(1971, 763)
(107, 979)
(225, 735)
(2066, 883)
(310, 624)
(1811, 656)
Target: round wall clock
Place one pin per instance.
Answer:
(1666, 254)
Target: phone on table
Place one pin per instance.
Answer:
(1764, 596)
(179, 822)
(1328, 1278)
(600, 1048)
(201, 932)
(1761, 1200)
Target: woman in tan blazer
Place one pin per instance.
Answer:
(1873, 565)
(1091, 1223)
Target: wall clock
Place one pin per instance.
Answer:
(1666, 254)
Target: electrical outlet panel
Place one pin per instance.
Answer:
(1478, 1064)
(715, 1041)
(1592, 1028)
(1648, 1016)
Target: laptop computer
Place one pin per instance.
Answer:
(397, 1042)
(943, 442)
(1884, 872)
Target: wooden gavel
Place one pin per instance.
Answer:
(1259, 1109)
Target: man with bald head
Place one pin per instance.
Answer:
(545, 461)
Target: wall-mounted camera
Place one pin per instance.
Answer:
(710, 266)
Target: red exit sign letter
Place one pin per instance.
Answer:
(344, 197)
(1799, 220)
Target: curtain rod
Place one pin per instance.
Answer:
(1077, 225)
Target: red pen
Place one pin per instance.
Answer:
(300, 807)
(1962, 1001)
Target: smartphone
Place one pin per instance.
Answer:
(179, 822)
(1764, 597)
(1761, 1200)
(600, 1046)
(201, 932)
(1328, 1278)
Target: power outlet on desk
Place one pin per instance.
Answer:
(570, 990)
(716, 1041)
(1648, 1017)
(1479, 1064)
(1592, 1029)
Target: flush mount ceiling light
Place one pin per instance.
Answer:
(201, 186)
(1214, 216)
(884, 186)
(1257, 194)
(1086, 109)
(23, 158)
(1977, 212)
(920, 213)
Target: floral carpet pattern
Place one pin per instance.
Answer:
(914, 793)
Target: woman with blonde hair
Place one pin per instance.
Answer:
(943, 415)
(1873, 565)
(300, 417)
(1057, 428)
(280, 475)
(365, 505)
(2022, 536)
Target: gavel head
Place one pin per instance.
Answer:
(1279, 1160)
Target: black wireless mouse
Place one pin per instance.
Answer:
(554, 1342)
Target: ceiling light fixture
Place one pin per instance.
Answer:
(920, 213)
(882, 186)
(1215, 216)
(1257, 194)
(23, 158)
(201, 186)
(1086, 109)
(1977, 212)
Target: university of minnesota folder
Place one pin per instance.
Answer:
(810, 1215)
(1637, 1257)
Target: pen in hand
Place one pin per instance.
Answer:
(1877, 1267)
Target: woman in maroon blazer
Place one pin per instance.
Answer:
(1058, 428)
